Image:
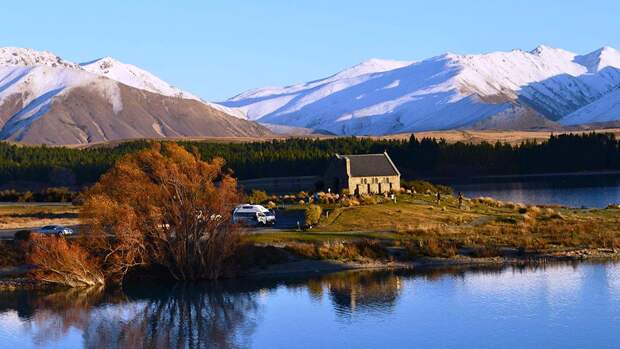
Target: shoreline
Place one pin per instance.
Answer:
(307, 267)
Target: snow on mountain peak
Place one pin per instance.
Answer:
(373, 65)
(445, 91)
(600, 59)
(548, 52)
(133, 76)
(15, 56)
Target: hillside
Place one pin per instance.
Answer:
(545, 88)
(45, 99)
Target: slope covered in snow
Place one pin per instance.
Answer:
(45, 99)
(16, 56)
(605, 109)
(447, 91)
(133, 76)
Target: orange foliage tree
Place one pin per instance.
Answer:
(61, 262)
(163, 206)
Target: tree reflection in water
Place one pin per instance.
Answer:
(199, 315)
(187, 316)
(179, 316)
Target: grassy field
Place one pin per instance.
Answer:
(492, 136)
(16, 216)
(451, 136)
(481, 226)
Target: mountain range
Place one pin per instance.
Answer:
(542, 88)
(46, 99)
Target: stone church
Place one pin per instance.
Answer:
(362, 174)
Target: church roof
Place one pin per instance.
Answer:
(370, 165)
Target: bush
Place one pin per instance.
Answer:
(163, 206)
(251, 256)
(257, 197)
(486, 252)
(423, 186)
(338, 250)
(46, 195)
(10, 254)
(64, 263)
(350, 202)
(368, 200)
(22, 235)
(488, 201)
(432, 248)
(312, 215)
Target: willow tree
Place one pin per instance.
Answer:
(163, 206)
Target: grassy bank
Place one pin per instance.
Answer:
(417, 226)
(414, 231)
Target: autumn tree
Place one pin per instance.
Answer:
(61, 262)
(162, 206)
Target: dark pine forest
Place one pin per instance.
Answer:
(59, 166)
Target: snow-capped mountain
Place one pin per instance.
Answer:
(133, 76)
(539, 88)
(45, 99)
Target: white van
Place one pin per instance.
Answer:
(253, 215)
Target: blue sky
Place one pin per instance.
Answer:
(217, 49)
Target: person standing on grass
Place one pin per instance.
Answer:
(460, 200)
(438, 198)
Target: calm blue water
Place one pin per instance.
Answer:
(592, 191)
(560, 306)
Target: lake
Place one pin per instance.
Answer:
(558, 306)
(573, 190)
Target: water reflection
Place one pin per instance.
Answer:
(256, 313)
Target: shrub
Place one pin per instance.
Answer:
(312, 215)
(10, 254)
(257, 197)
(163, 206)
(420, 186)
(252, 256)
(349, 202)
(535, 210)
(485, 252)
(368, 200)
(61, 262)
(22, 235)
(432, 248)
(489, 202)
(338, 250)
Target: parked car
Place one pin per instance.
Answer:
(54, 230)
(253, 215)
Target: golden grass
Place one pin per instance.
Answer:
(30, 216)
(483, 226)
(492, 136)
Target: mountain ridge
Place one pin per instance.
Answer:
(46, 99)
(443, 92)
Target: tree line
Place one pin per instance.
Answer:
(73, 167)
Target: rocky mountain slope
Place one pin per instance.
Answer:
(45, 99)
(543, 88)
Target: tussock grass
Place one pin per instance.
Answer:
(484, 228)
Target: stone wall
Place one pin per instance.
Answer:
(375, 185)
